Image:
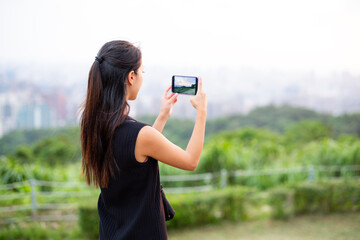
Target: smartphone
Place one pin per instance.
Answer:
(184, 84)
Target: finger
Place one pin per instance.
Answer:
(200, 84)
(174, 98)
(167, 90)
(170, 96)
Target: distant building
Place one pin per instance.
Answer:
(34, 117)
(27, 107)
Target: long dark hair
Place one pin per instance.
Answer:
(105, 108)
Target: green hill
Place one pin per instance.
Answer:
(277, 119)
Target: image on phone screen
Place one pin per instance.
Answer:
(184, 84)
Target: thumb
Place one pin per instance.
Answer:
(200, 84)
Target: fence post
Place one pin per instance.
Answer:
(343, 172)
(33, 196)
(311, 174)
(223, 179)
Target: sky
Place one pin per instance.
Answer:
(315, 35)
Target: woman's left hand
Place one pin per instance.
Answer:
(167, 102)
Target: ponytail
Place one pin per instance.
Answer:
(105, 108)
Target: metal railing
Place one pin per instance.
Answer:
(28, 193)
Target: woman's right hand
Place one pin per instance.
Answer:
(199, 101)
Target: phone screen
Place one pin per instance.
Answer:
(184, 84)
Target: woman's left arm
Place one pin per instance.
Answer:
(167, 103)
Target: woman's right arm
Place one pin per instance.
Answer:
(151, 142)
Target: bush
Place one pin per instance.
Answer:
(195, 209)
(192, 209)
(306, 131)
(345, 196)
(43, 231)
(241, 149)
(344, 151)
(282, 202)
(89, 222)
(236, 203)
(11, 172)
(321, 197)
(312, 198)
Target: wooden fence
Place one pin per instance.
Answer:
(19, 202)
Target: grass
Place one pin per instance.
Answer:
(311, 227)
(42, 231)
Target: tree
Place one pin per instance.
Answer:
(23, 154)
(306, 131)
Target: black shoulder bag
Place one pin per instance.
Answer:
(168, 210)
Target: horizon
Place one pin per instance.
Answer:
(248, 86)
(249, 54)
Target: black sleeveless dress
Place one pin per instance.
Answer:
(131, 206)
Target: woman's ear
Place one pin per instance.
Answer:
(131, 78)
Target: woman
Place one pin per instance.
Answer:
(121, 155)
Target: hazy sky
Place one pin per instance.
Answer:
(322, 36)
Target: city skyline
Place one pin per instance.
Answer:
(26, 104)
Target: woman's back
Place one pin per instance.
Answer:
(131, 206)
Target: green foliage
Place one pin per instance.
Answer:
(279, 119)
(89, 222)
(36, 231)
(11, 171)
(192, 209)
(281, 199)
(253, 149)
(346, 124)
(60, 149)
(236, 203)
(325, 197)
(320, 197)
(56, 150)
(242, 149)
(306, 131)
(12, 140)
(196, 209)
(312, 198)
(62, 146)
(344, 151)
(301, 124)
(345, 196)
(305, 142)
(271, 117)
(23, 154)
